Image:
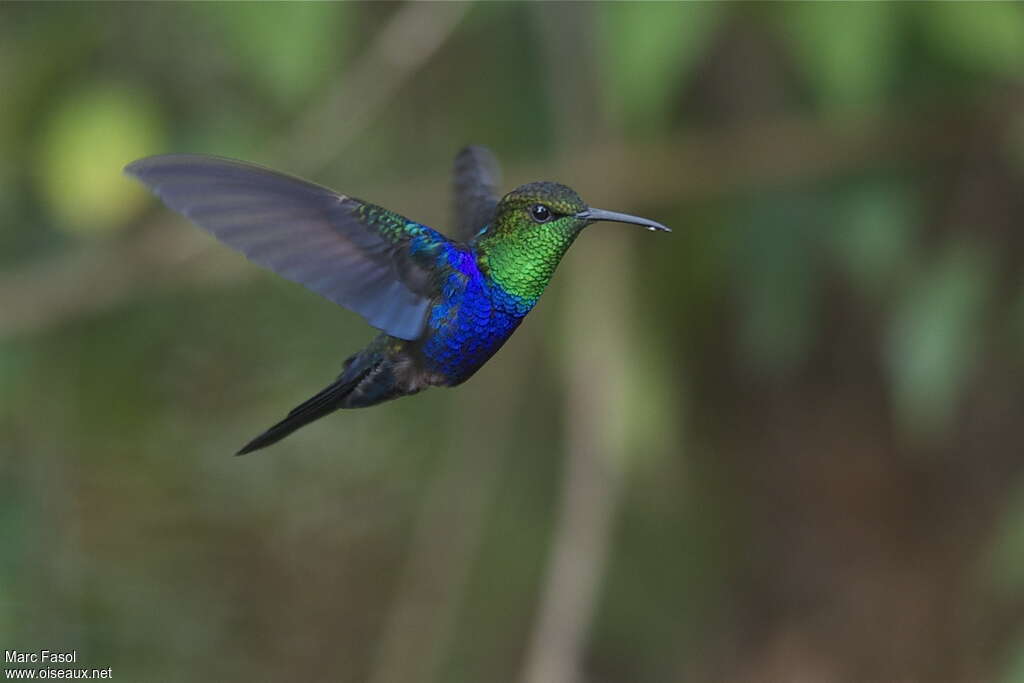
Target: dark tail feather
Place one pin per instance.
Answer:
(327, 401)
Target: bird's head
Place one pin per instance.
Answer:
(555, 209)
(533, 226)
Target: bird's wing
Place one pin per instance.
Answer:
(358, 255)
(476, 177)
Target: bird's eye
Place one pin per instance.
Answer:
(540, 213)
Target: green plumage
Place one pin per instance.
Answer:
(522, 260)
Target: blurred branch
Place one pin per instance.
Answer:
(449, 529)
(594, 466)
(598, 289)
(398, 51)
(689, 167)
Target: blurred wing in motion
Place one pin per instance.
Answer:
(476, 177)
(356, 254)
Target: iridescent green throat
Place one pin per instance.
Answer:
(522, 259)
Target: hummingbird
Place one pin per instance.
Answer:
(443, 306)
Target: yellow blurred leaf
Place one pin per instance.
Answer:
(89, 137)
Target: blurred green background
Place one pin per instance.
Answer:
(783, 443)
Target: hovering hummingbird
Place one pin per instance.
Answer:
(443, 306)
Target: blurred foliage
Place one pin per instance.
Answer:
(644, 50)
(989, 41)
(934, 338)
(286, 51)
(776, 264)
(103, 126)
(845, 52)
(875, 239)
(821, 394)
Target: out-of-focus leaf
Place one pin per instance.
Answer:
(288, 47)
(846, 49)
(931, 345)
(88, 139)
(982, 36)
(775, 273)
(646, 49)
(874, 235)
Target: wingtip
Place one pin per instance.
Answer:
(157, 161)
(138, 168)
(131, 169)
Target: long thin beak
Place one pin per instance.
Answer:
(594, 215)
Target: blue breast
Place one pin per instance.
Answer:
(471, 321)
